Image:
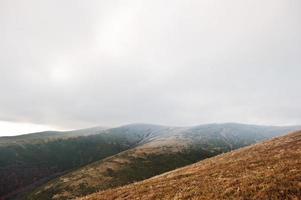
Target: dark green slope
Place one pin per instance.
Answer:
(47, 136)
(27, 159)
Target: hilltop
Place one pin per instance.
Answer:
(268, 170)
(40, 137)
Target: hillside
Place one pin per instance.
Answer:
(47, 136)
(30, 159)
(268, 170)
(161, 150)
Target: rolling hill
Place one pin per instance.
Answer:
(47, 136)
(268, 170)
(160, 149)
(31, 159)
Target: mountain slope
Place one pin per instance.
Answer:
(47, 136)
(162, 149)
(29, 159)
(269, 170)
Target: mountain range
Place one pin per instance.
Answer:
(68, 165)
(269, 170)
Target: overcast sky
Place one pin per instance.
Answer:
(67, 64)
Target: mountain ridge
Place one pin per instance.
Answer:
(160, 149)
(267, 170)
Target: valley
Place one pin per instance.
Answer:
(100, 159)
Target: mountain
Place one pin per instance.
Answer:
(158, 150)
(47, 135)
(269, 170)
(35, 158)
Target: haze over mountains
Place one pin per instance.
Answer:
(96, 159)
(69, 64)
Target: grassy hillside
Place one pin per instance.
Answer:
(38, 137)
(162, 149)
(269, 170)
(27, 159)
(126, 167)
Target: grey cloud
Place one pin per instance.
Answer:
(73, 64)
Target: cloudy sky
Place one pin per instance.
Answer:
(67, 64)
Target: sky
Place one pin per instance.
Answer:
(68, 64)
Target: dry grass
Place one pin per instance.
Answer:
(269, 170)
(103, 174)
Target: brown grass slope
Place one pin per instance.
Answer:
(269, 170)
(112, 171)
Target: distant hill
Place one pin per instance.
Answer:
(159, 149)
(47, 135)
(31, 158)
(269, 170)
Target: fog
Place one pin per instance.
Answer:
(72, 64)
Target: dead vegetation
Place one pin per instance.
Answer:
(120, 169)
(269, 170)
